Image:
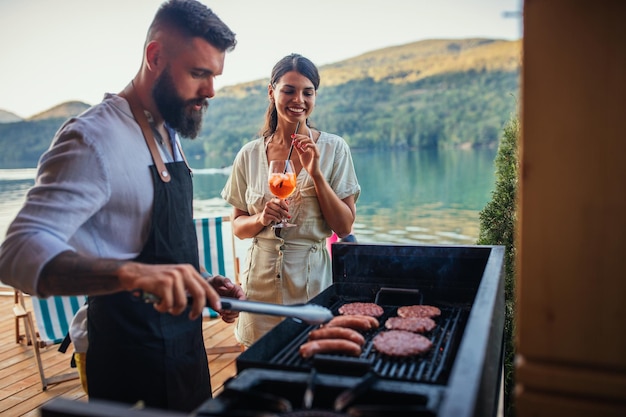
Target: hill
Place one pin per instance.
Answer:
(62, 111)
(8, 117)
(433, 93)
(414, 61)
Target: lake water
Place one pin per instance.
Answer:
(429, 197)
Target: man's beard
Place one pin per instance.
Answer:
(177, 112)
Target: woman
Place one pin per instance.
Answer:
(290, 265)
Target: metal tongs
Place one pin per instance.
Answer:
(308, 313)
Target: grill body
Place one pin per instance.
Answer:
(459, 377)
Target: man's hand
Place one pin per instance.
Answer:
(172, 285)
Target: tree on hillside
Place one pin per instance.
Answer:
(497, 227)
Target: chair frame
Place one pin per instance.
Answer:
(32, 338)
(218, 350)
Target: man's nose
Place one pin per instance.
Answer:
(208, 88)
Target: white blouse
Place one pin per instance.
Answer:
(294, 267)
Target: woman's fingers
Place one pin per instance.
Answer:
(276, 209)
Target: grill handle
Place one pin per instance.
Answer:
(398, 296)
(308, 313)
(349, 396)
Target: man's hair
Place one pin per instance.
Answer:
(192, 19)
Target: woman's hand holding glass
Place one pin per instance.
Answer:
(282, 183)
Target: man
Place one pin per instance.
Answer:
(110, 216)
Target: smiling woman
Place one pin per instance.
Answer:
(326, 190)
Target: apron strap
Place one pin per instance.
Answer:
(135, 107)
(180, 149)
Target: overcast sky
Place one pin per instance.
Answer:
(56, 51)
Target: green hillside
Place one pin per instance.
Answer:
(434, 93)
(61, 111)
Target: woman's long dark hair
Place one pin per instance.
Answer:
(293, 62)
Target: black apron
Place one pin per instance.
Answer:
(136, 353)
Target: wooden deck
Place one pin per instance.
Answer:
(20, 386)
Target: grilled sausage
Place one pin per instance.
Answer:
(356, 322)
(337, 333)
(338, 346)
(373, 320)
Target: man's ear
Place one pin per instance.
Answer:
(153, 55)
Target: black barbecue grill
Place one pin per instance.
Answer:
(458, 377)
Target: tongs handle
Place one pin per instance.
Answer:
(309, 313)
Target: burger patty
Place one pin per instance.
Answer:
(419, 311)
(401, 343)
(366, 309)
(411, 324)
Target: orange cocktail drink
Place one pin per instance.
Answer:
(281, 184)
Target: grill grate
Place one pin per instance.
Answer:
(432, 367)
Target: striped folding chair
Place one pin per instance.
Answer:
(210, 233)
(213, 257)
(211, 244)
(53, 316)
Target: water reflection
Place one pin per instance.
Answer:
(431, 197)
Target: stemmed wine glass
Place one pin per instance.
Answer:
(282, 182)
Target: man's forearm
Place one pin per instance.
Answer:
(72, 274)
